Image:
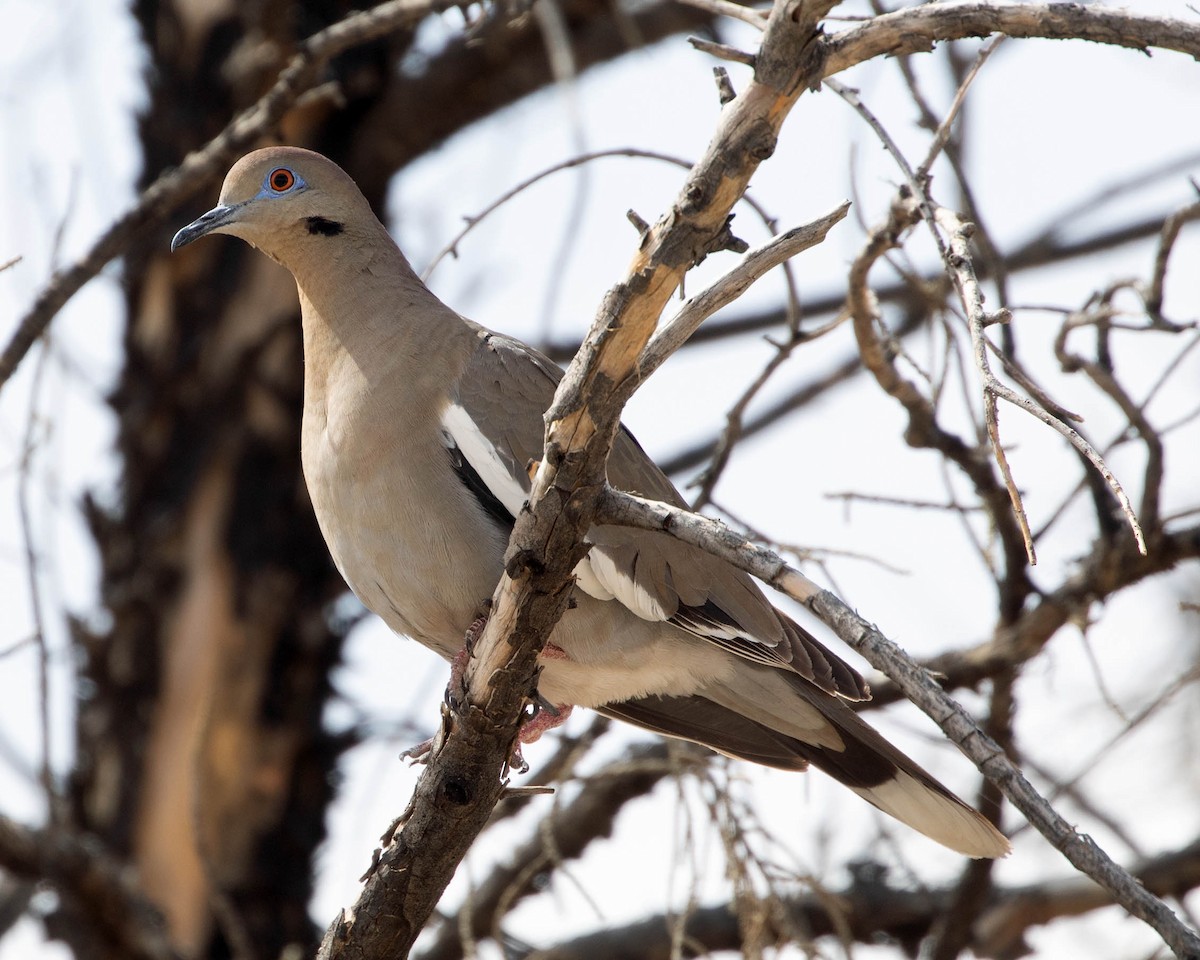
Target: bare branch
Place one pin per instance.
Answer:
(104, 891)
(734, 419)
(942, 135)
(917, 29)
(870, 906)
(964, 273)
(29, 446)
(451, 248)
(722, 51)
(959, 263)
(923, 429)
(1170, 233)
(776, 251)
(726, 8)
(918, 686)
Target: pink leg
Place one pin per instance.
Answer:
(545, 718)
(458, 665)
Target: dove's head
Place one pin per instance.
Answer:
(282, 199)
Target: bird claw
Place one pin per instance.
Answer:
(418, 753)
(475, 630)
(516, 761)
(457, 687)
(546, 716)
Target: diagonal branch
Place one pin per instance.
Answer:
(959, 261)
(924, 429)
(754, 264)
(922, 689)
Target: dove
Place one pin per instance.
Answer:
(418, 429)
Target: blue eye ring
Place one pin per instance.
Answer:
(280, 180)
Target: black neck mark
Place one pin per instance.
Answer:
(326, 228)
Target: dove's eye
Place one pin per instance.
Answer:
(281, 180)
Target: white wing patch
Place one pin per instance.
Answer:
(589, 583)
(596, 574)
(483, 457)
(602, 573)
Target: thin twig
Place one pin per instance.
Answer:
(942, 134)
(908, 502)
(29, 447)
(734, 417)
(973, 301)
(959, 263)
(916, 183)
(1100, 373)
(779, 249)
(725, 8)
(1166, 243)
(722, 51)
(809, 553)
(1165, 696)
(1122, 437)
(451, 248)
